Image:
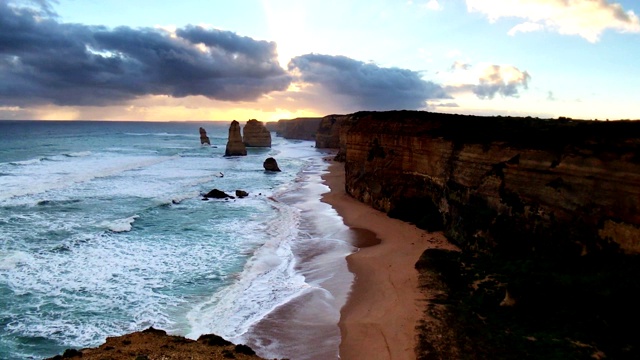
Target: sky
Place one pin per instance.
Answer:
(274, 59)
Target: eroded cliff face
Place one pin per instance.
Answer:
(521, 184)
(328, 132)
(255, 134)
(298, 128)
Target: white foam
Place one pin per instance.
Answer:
(105, 285)
(120, 225)
(40, 177)
(268, 280)
(11, 260)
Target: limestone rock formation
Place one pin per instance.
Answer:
(255, 134)
(298, 128)
(270, 164)
(204, 139)
(235, 146)
(523, 183)
(328, 134)
(332, 134)
(156, 344)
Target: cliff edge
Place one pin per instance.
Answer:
(546, 212)
(501, 182)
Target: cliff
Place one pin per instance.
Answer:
(329, 130)
(547, 213)
(235, 146)
(298, 128)
(255, 134)
(156, 344)
(501, 182)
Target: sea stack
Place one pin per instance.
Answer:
(235, 146)
(255, 134)
(204, 139)
(270, 164)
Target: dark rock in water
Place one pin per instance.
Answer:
(241, 193)
(235, 146)
(204, 139)
(218, 194)
(255, 134)
(270, 164)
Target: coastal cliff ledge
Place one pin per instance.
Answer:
(546, 212)
(500, 182)
(156, 344)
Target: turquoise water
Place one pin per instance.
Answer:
(103, 231)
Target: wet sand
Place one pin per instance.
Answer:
(385, 304)
(306, 327)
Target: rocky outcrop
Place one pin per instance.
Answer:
(255, 134)
(298, 128)
(217, 194)
(558, 187)
(156, 344)
(270, 164)
(241, 193)
(235, 146)
(204, 139)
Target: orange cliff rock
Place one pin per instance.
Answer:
(497, 181)
(235, 146)
(255, 134)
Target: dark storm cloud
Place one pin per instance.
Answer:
(43, 61)
(366, 86)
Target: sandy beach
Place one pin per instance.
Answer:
(385, 304)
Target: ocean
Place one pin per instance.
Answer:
(103, 231)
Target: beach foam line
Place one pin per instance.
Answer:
(268, 280)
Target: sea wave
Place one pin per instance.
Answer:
(269, 279)
(163, 134)
(41, 178)
(120, 225)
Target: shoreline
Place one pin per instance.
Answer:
(385, 304)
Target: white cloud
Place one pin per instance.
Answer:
(525, 27)
(585, 18)
(486, 81)
(433, 5)
(504, 80)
